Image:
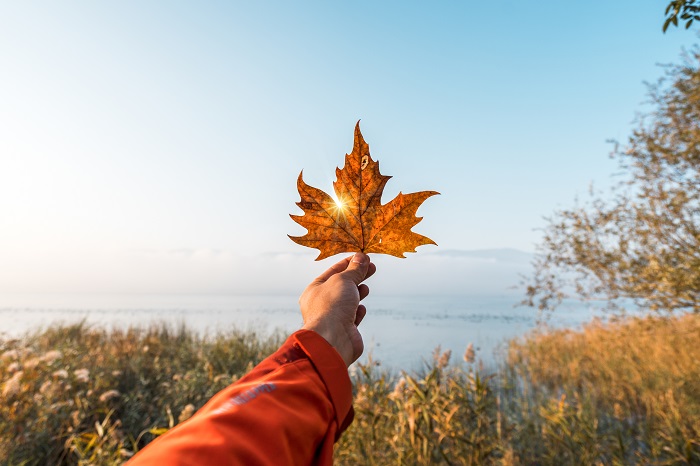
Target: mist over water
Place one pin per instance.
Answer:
(399, 331)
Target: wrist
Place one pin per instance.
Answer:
(336, 337)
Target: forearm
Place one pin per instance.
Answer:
(288, 410)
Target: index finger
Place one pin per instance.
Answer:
(371, 270)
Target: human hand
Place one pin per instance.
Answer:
(331, 307)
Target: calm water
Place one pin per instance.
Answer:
(400, 332)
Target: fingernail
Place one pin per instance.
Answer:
(359, 258)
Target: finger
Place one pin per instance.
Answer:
(360, 314)
(371, 270)
(357, 268)
(364, 291)
(334, 269)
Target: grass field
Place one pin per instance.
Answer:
(617, 393)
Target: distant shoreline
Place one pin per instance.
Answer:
(399, 330)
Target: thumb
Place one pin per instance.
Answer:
(357, 268)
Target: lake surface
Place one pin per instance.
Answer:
(400, 332)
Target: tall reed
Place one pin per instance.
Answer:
(612, 393)
(80, 395)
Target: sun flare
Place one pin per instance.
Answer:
(339, 204)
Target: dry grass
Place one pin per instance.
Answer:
(445, 415)
(629, 392)
(79, 395)
(621, 393)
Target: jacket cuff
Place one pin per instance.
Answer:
(333, 371)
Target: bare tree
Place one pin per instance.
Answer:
(641, 242)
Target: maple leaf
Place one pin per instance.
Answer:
(358, 221)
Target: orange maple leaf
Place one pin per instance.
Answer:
(358, 221)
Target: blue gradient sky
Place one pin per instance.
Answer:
(154, 146)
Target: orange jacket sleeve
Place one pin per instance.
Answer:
(289, 410)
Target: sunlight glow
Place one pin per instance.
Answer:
(339, 204)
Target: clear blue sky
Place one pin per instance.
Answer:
(154, 146)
